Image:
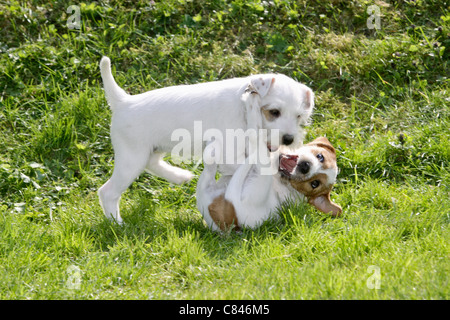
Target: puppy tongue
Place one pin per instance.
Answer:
(288, 163)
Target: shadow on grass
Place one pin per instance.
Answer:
(151, 224)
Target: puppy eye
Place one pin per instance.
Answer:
(274, 113)
(320, 157)
(315, 184)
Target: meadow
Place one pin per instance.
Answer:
(380, 76)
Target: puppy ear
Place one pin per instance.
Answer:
(262, 85)
(324, 204)
(252, 103)
(309, 99)
(323, 143)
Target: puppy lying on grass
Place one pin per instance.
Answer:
(249, 198)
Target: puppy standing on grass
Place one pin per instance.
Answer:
(250, 197)
(142, 124)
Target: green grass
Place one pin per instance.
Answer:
(382, 99)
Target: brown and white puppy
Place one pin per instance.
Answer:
(314, 174)
(249, 198)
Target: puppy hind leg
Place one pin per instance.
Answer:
(109, 200)
(207, 186)
(211, 154)
(206, 191)
(157, 166)
(126, 170)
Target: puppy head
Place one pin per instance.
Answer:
(312, 171)
(286, 106)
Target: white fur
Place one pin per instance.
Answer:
(142, 124)
(255, 197)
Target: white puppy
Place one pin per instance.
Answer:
(142, 124)
(249, 197)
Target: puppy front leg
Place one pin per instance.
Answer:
(249, 192)
(253, 179)
(257, 187)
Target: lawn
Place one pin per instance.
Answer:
(380, 76)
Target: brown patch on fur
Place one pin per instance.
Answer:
(329, 153)
(329, 159)
(323, 203)
(318, 197)
(223, 214)
(323, 142)
(304, 187)
(268, 115)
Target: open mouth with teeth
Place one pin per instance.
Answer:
(288, 163)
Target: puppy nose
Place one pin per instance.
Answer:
(304, 167)
(288, 139)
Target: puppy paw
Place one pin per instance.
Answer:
(182, 177)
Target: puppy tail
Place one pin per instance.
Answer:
(114, 94)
